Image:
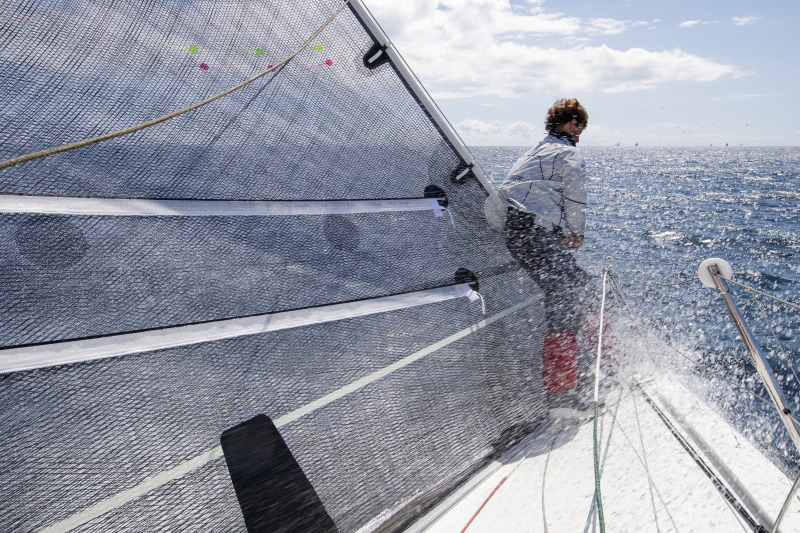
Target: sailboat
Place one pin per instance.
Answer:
(253, 280)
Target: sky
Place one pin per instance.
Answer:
(652, 72)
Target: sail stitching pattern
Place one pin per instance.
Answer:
(215, 453)
(113, 135)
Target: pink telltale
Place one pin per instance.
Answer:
(328, 62)
(203, 66)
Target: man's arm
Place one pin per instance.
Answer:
(574, 195)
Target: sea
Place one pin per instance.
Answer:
(654, 214)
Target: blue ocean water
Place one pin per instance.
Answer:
(654, 214)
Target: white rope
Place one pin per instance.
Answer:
(597, 493)
(474, 296)
(453, 222)
(646, 467)
(600, 340)
(544, 478)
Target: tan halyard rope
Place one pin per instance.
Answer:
(94, 140)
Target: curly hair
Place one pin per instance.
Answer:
(563, 111)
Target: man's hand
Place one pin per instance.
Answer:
(573, 242)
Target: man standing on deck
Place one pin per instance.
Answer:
(546, 219)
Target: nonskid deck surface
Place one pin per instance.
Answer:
(547, 482)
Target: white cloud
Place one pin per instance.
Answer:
(744, 21)
(515, 69)
(692, 23)
(479, 133)
(606, 26)
(486, 48)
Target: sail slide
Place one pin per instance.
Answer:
(303, 198)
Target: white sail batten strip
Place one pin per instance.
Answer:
(212, 454)
(76, 351)
(65, 205)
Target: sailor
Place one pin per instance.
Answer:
(546, 219)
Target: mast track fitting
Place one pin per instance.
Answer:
(462, 171)
(376, 56)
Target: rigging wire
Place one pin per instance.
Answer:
(757, 527)
(113, 135)
(688, 358)
(646, 467)
(684, 282)
(775, 335)
(751, 289)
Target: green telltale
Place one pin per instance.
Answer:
(193, 49)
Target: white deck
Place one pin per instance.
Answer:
(547, 482)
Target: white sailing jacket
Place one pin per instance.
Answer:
(549, 180)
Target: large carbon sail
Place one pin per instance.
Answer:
(311, 247)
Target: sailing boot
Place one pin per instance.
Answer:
(559, 357)
(559, 375)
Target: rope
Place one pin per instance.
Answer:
(723, 490)
(638, 456)
(603, 464)
(598, 497)
(646, 467)
(544, 477)
(489, 497)
(751, 289)
(694, 362)
(684, 282)
(735, 504)
(108, 136)
(775, 335)
(484, 504)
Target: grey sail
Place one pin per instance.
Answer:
(281, 250)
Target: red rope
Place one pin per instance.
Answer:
(484, 504)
